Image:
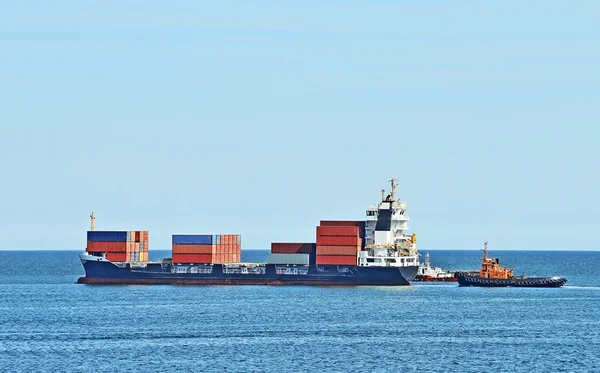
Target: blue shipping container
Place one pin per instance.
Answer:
(196, 239)
(107, 236)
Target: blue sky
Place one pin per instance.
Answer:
(262, 117)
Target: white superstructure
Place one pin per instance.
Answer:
(387, 242)
(426, 270)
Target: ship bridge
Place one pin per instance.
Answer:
(387, 242)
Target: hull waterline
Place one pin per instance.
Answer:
(105, 272)
(533, 282)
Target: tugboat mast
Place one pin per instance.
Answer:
(484, 251)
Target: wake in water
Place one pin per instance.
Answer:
(582, 287)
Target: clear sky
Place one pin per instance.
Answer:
(262, 117)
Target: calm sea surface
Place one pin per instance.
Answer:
(50, 324)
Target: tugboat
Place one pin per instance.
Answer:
(492, 274)
(429, 273)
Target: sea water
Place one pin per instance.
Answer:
(48, 323)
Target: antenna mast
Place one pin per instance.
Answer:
(484, 251)
(382, 195)
(93, 218)
(393, 181)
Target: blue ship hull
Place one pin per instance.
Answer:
(104, 272)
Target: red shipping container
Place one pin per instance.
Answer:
(106, 247)
(292, 248)
(337, 231)
(338, 250)
(117, 257)
(192, 258)
(342, 223)
(222, 258)
(137, 247)
(338, 240)
(191, 249)
(216, 258)
(336, 259)
(346, 223)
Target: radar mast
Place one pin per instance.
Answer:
(93, 220)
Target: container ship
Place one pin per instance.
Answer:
(374, 251)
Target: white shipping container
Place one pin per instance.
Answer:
(298, 259)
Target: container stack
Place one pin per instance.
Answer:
(338, 245)
(138, 246)
(348, 223)
(292, 253)
(227, 249)
(206, 249)
(119, 246)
